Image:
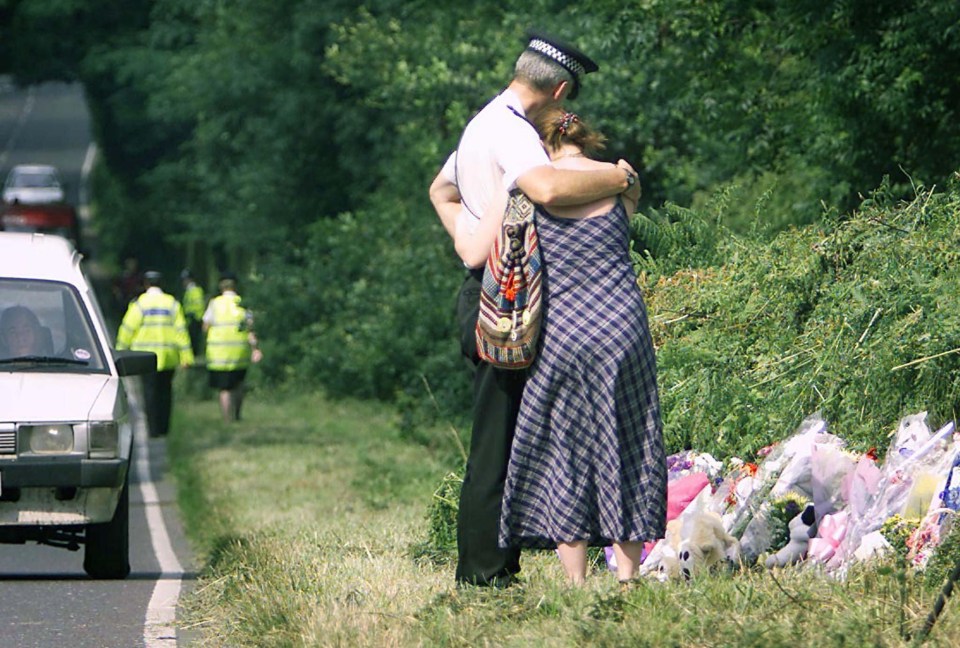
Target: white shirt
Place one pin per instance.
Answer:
(498, 146)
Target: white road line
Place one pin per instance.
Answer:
(159, 628)
(21, 120)
(84, 198)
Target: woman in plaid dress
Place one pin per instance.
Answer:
(587, 465)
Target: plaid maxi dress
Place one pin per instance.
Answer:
(587, 461)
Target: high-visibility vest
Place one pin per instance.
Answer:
(228, 342)
(193, 302)
(154, 322)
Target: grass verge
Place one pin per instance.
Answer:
(306, 515)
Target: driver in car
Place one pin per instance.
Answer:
(21, 333)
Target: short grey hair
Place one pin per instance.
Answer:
(540, 72)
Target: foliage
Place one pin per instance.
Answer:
(944, 560)
(294, 141)
(782, 510)
(854, 318)
(441, 543)
(897, 531)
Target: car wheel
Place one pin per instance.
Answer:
(107, 554)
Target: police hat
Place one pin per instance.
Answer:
(153, 276)
(569, 57)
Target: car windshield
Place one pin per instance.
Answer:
(34, 179)
(44, 327)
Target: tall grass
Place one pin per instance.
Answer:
(306, 516)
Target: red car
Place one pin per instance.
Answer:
(51, 218)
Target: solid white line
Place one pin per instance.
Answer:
(86, 167)
(159, 627)
(88, 161)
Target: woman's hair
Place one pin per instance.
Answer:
(558, 127)
(539, 72)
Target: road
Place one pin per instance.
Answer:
(48, 601)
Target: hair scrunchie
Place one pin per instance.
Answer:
(568, 118)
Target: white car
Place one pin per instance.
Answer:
(65, 430)
(33, 184)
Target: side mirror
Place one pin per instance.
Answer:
(133, 363)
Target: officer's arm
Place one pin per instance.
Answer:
(129, 325)
(446, 202)
(550, 186)
(183, 337)
(474, 247)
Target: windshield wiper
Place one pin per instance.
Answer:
(46, 360)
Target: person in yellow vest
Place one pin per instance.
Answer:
(154, 322)
(194, 303)
(231, 346)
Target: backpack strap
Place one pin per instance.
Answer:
(456, 161)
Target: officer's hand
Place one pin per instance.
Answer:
(256, 355)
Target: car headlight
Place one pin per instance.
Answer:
(104, 439)
(49, 439)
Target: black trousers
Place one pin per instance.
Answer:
(158, 401)
(497, 394)
(195, 329)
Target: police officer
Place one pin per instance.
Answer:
(194, 302)
(231, 346)
(154, 322)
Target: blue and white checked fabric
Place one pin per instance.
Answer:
(570, 63)
(588, 461)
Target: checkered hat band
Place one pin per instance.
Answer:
(564, 59)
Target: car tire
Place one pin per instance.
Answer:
(107, 554)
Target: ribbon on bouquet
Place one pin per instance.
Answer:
(832, 530)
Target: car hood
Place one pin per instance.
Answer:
(39, 396)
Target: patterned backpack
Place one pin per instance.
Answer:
(511, 301)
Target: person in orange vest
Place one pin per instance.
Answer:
(231, 346)
(154, 322)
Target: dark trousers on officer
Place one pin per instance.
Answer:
(497, 395)
(195, 329)
(158, 400)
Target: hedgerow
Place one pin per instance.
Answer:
(855, 317)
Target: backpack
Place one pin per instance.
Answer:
(511, 299)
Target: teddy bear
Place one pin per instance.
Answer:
(694, 542)
(801, 529)
(662, 563)
(704, 543)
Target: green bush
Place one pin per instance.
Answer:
(855, 318)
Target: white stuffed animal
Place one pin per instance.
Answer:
(704, 544)
(801, 528)
(694, 542)
(662, 563)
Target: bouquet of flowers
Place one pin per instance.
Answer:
(905, 483)
(940, 517)
(809, 462)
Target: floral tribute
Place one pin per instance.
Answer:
(810, 500)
